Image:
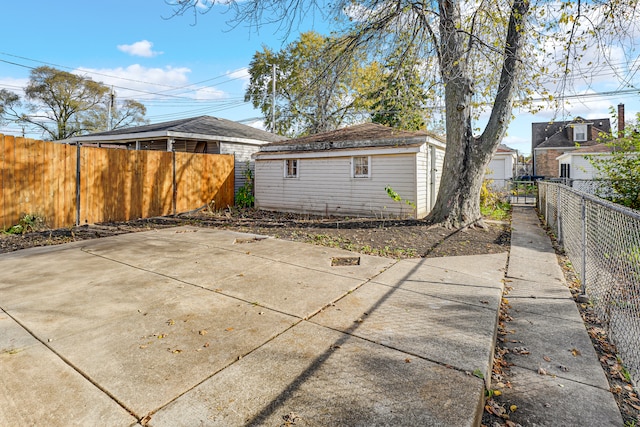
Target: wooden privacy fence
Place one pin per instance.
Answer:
(69, 185)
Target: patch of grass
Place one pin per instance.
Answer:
(499, 211)
(493, 204)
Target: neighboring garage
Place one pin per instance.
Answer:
(501, 167)
(348, 171)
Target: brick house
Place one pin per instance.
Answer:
(549, 140)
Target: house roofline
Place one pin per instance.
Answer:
(146, 136)
(343, 152)
(350, 144)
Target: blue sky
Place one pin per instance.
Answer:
(178, 69)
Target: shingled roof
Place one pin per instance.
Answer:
(196, 126)
(363, 135)
(554, 134)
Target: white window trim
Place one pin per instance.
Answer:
(353, 168)
(286, 168)
(584, 127)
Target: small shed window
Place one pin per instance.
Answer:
(291, 168)
(565, 170)
(360, 167)
(580, 133)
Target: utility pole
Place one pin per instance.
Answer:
(111, 103)
(273, 101)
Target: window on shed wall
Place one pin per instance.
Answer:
(565, 170)
(580, 133)
(291, 168)
(360, 167)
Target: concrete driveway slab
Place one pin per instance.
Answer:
(410, 308)
(559, 401)
(148, 358)
(90, 304)
(289, 289)
(314, 376)
(60, 396)
(182, 326)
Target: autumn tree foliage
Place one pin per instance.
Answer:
(482, 57)
(621, 167)
(62, 104)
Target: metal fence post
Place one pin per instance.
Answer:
(583, 274)
(546, 207)
(559, 214)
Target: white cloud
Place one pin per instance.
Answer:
(241, 73)
(14, 85)
(139, 82)
(209, 94)
(142, 48)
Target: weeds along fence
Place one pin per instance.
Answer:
(70, 185)
(602, 240)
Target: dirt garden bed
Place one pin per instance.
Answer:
(383, 237)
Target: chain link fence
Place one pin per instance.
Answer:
(602, 241)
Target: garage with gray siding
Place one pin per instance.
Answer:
(347, 173)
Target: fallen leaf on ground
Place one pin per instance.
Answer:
(496, 409)
(290, 418)
(513, 408)
(520, 350)
(203, 332)
(547, 359)
(541, 371)
(575, 352)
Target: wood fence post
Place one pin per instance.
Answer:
(78, 176)
(175, 187)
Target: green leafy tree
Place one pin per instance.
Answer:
(401, 100)
(317, 89)
(622, 167)
(62, 105)
(482, 55)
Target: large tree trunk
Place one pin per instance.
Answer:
(458, 202)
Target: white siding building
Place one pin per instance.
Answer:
(347, 172)
(575, 164)
(501, 167)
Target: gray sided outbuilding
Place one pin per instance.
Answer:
(353, 171)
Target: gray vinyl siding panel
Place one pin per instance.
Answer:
(241, 154)
(325, 186)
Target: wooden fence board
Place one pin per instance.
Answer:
(197, 174)
(30, 182)
(115, 185)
